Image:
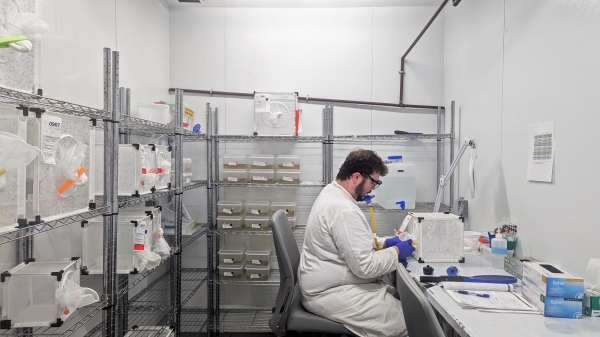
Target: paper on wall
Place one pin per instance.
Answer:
(541, 147)
(261, 103)
(51, 132)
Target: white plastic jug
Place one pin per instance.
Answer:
(399, 188)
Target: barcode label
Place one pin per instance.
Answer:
(260, 163)
(232, 178)
(259, 178)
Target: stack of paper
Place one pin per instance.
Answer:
(496, 300)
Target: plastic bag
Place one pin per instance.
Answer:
(70, 296)
(27, 24)
(144, 259)
(148, 176)
(163, 166)
(70, 157)
(161, 247)
(15, 154)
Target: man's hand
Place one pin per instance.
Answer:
(390, 242)
(404, 249)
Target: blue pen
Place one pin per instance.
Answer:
(464, 292)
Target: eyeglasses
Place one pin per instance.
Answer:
(376, 183)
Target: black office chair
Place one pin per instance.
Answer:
(418, 313)
(289, 315)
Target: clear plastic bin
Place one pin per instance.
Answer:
(29, 292)
(262, 176)
(136, 173)
(228, 272)
(158, 113)
(231, 257)
(292, 222)
(230, 208)
(235, 162)
(235, 176)
(288, 162)
(256, 223)
(258, 257)
(256, 208)
(288, 206)
(258, 273)
(226, 223)
(288, 177)
(261, 161)
(163, 166)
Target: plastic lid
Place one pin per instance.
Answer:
(394, 157)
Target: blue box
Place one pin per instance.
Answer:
(552, 306)
(553, 280)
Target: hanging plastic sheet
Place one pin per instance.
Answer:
(70, 296)
(15, 154)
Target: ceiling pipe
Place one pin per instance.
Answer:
(402, 72)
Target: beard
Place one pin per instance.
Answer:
(358, 190)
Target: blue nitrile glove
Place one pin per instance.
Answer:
(404, 263)
(390, 242)
(405, 248)
(367, 198)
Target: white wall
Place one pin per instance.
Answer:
(518, 62)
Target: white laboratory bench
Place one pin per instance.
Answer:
(474, 323)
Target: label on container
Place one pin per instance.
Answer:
(51, 131)
(288, 164)
(404, 224)
(288, 179)
(259, 163)
(259, 178)
(188, 112)
(227, 210)
(143, 162)
(255, 275)
(255, 211)
(232, 179)
(228, 273)
(256, 261)
(227, 226)
(256, 225)
(139, 238)
(227, 260)
(232, 163)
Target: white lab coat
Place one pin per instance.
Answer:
(340, 268)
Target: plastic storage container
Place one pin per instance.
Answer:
(258, 257)
(231, 257)
(399, 188)
(235, 176)
(257, 208)
(235, 162)
(132, 235)
(188, 116)
(262, 176)
(136, 175)
(292, 222)
(158, 113)
(257, 273)
(228, 272)
(288, 177)
(230, 208)
(288, 162)
(287, 206)
(229, 222)
(164, 165)
(440, 236)
(254, 223)
(30, 289)
(261, 161)
(498, 252)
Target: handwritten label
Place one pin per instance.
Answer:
(232, 179)
(256, 261)
(260, 163)
(259, 178)
(51, 131)
(288, 164)
(227, 210)
(228, 273)
(291, 179)
(233, 163)
(256, 225)
(255, 211)
(227, 226)
(227, 260)
(255, 275)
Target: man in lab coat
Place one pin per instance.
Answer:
(340, 268)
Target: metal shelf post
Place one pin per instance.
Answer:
(210, 223)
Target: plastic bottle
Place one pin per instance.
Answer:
(498, 252)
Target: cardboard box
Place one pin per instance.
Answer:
(553, 280)
(552, 306)
(591, 303)
(514, 265)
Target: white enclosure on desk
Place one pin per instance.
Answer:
(12, 179)
(63, 172)
(439, 236)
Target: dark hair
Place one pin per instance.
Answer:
(362, 161)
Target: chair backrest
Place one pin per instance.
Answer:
(288, 259)
(418, 313)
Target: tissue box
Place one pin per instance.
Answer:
(591, 303)
(551, 306)
(553, 280)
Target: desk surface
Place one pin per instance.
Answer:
(474, 323)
